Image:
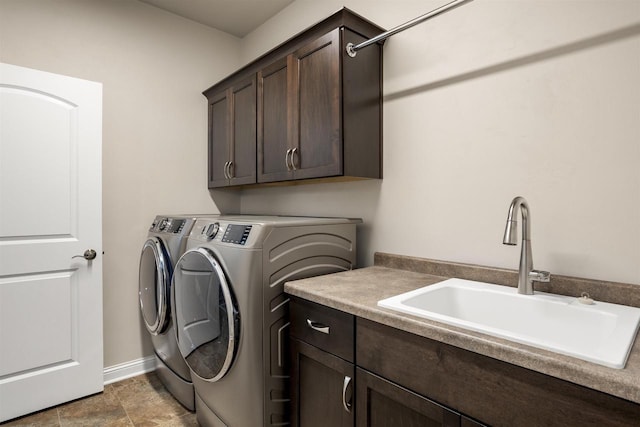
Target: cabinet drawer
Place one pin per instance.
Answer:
(328, 329)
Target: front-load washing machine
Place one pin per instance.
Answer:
(231, 313)
(164, 245)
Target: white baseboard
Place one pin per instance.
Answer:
(130, 369)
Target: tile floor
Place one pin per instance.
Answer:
(139, 401)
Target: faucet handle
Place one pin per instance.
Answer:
(539, 276)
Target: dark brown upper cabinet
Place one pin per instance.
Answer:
(318, 112)
(306, 87)
(273, 130)
(232, 134)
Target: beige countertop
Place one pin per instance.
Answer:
(358, 291)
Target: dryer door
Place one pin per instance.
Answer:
(206, 314)
(153, 285)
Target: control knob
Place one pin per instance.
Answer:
(212, 230)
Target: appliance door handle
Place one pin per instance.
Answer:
(318, 326)
(345, 386)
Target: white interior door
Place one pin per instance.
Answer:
(50, 210)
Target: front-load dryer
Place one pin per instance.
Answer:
(231, 312)
(164, 245)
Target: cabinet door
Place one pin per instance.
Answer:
(322, 388)
(273, 136)
(316, 108)
(380, 403)
(219, 139)
(242, 169)
(468, 422)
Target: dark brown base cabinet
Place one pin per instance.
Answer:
(322, 368)
(319, 379)
(381, 403)
(329, 390)
(385, 377)
(305, 110)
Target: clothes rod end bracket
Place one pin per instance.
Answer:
(350, 50)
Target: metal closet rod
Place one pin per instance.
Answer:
(352, 49)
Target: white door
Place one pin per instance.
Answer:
(50, 210)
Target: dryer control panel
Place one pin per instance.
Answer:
(168, 225)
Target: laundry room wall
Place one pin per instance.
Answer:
(153, 66)
(492, 100)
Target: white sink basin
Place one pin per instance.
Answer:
(602, 333)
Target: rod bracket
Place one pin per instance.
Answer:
(350, 50)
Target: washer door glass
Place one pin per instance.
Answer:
(153, 285)
(206, 315)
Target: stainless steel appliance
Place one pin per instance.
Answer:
(165, 243)
(231, 313)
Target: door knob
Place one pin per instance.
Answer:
(89, 254)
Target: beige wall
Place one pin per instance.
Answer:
(153, 66)
(498, 98)
(492, 100)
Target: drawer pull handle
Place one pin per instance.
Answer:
(346, 404)
(318, 326)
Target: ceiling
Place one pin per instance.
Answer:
(237, 17)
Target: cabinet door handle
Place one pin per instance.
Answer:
(226, 165)
(318, 326)
(293, 158)
(230, 170)
(286, 159)
(346, 404)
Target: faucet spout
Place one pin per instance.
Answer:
(526, 274)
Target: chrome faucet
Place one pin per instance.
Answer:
(526, 274)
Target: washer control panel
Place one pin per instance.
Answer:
(226, 233)
(222, 231)
(236, 233)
